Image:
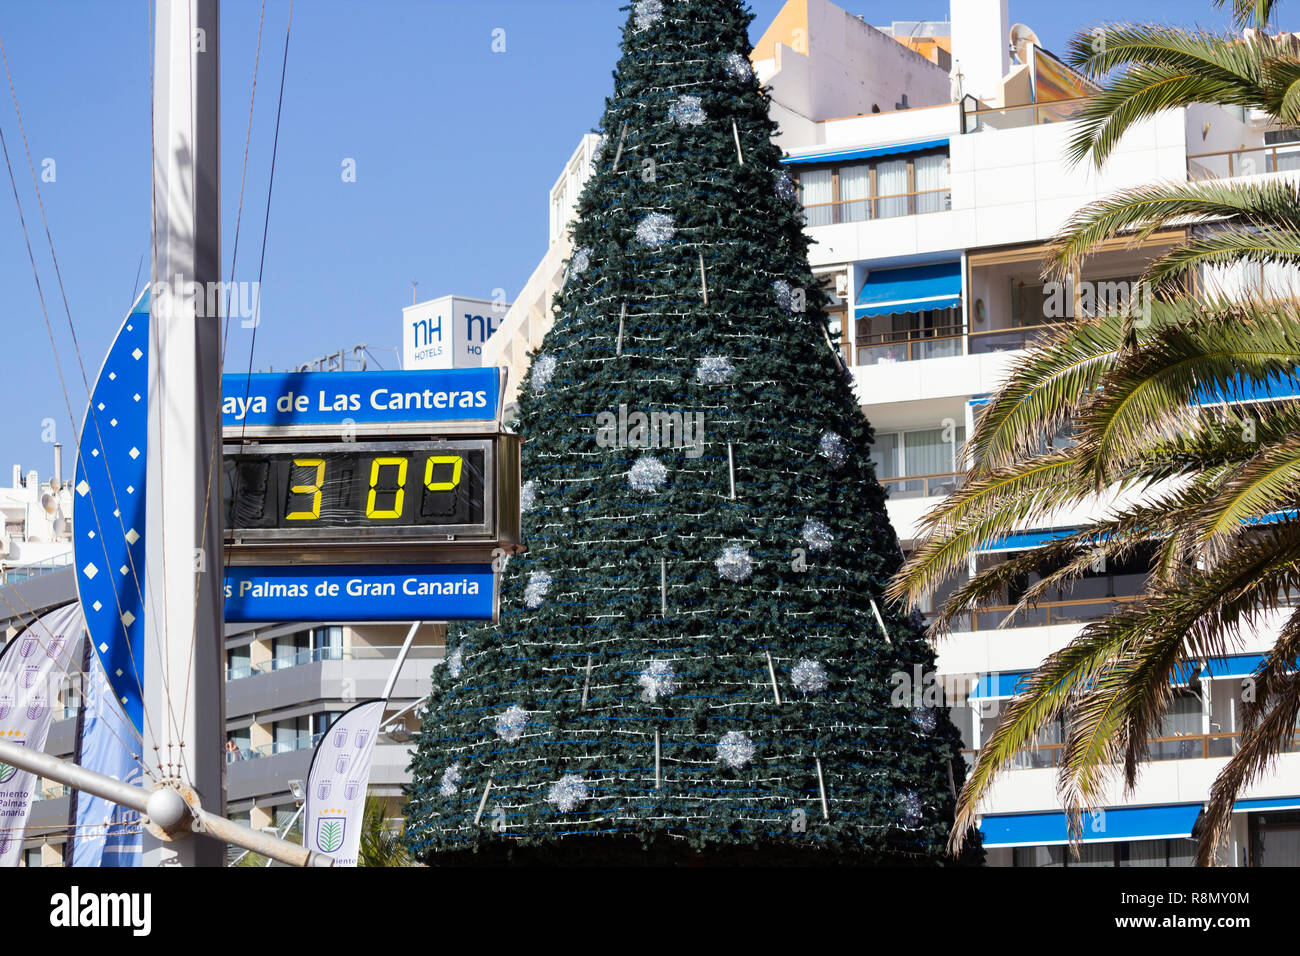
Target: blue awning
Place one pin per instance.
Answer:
(866, 152)
(1102, 826)
(996, 686)
(1273, 803)
(1241, 666)
(1025, 540)
(913, 289)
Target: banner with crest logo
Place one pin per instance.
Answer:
(33, 668)
(338, 781)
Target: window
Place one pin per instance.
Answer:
(327, 643)
(880, 189)
(1162, 853)
(1275, 838)
(32, 857)
(324, 721)
(916, 455)
(239, 662)
(290, 650)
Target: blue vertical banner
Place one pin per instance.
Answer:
(104, 833)
(108, 515)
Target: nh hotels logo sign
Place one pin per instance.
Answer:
(449, 332)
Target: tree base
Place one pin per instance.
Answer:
(614, 851)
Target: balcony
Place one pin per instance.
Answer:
(888, 348)
(1251, 161)
(923, 486)
(1174, 747)
(976, 117)
(304, 657)
(918, 202)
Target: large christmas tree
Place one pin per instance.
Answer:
(689, 664)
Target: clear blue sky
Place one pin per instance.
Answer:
(455, 146)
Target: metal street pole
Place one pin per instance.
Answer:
(184, 692)
(160, 808)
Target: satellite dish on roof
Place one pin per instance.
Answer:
(1021, 39)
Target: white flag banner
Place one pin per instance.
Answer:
(32, 667)
(338, 782)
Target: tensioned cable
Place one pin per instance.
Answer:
(80, 360)
(266, 222)
(50, 330)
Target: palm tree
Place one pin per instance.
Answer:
(1162, 405)
(381, 845)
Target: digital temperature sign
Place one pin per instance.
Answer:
(321, 490)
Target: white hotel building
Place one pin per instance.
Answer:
(931, 164)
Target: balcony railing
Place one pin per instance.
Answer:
(35, 569)
(303, 657)
(288, 746)
(1251, 161)
(1007, 340)
(922, 486)
(1012, 117)
(915, 203)
(1069, 611)
(886, 348)
(1174, 747)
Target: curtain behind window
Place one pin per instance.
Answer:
(932, 173)
(926, 453)
(891, 180)
(884, 455)
(815, 185)
(855, 193)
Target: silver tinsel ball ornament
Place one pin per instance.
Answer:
(816, 535)
(687, 111)
(655, 229)
(738, 65)
(455, 663)
(714, 370)
(834, 449)
(786, 190)
(542, 373)
(510, 724)
(539, 582)
(735, 749)
(647, 474)
(924, 718)
(783, 292)
(528, 495)
(735, 563)
(580, 262)
(909, 807)
(568, 793)
(810, 676)
(647, 13)
(450, 784)
(657, 680)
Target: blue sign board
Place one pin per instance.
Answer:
(425, 592)
(337, 398)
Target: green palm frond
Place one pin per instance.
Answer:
(1178, 268)
(1151, 393)
(1140, 211)
(1043, 390)
(1247, 13)
(1150, 69)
